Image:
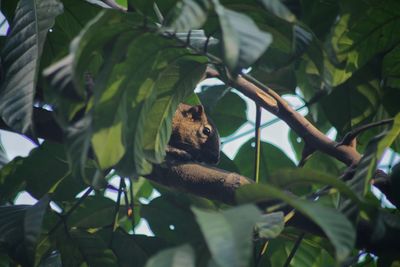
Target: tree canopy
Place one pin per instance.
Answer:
(95, 84)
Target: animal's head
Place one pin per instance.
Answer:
(194, 133)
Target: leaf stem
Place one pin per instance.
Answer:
(294, 249)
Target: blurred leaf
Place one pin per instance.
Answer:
(228, 234)
(271, 225)
(33, 226)
(333, 223)
(243, 41)
(3, 155)
(272, 159)
(279, 9)
(190, 15)
(182, 256)
(21, 56)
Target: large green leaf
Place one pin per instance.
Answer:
(21, 55)
(360, 36)
(228, 234)
(171, 219)
(182, 256)
(359, 100)
(334, 224)
(34, 174)
(391, 68)
(272, 159)
(291, 178)
(11, 228)
(132, 250)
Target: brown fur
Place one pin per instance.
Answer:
(188, 140)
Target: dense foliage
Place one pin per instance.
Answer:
(112, 80)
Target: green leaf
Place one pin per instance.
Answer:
(391, 68)
(334, 224)
(291, 178)
(228, 234)
(272, 159)
(218, 102)
(243, 42)
(182, 256)
(33, 226)
(361, 35)
(94, 250)
(271, 226)
(190, 14)
(126, 89)
(359, 100)
(21, 55)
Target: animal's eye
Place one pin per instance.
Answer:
(207, 131)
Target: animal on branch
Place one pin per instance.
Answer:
(194, 136)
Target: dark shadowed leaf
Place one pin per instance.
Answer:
(272, 159)
(33, 226)
(21, 55)
(94, 250)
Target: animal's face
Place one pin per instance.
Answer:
(193, 132)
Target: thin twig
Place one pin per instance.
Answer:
(68, 213)
(349, 137)
(258, 144)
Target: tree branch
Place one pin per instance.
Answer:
(271, 101)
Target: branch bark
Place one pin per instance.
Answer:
(274, 103)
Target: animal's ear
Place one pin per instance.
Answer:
(196, 112)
